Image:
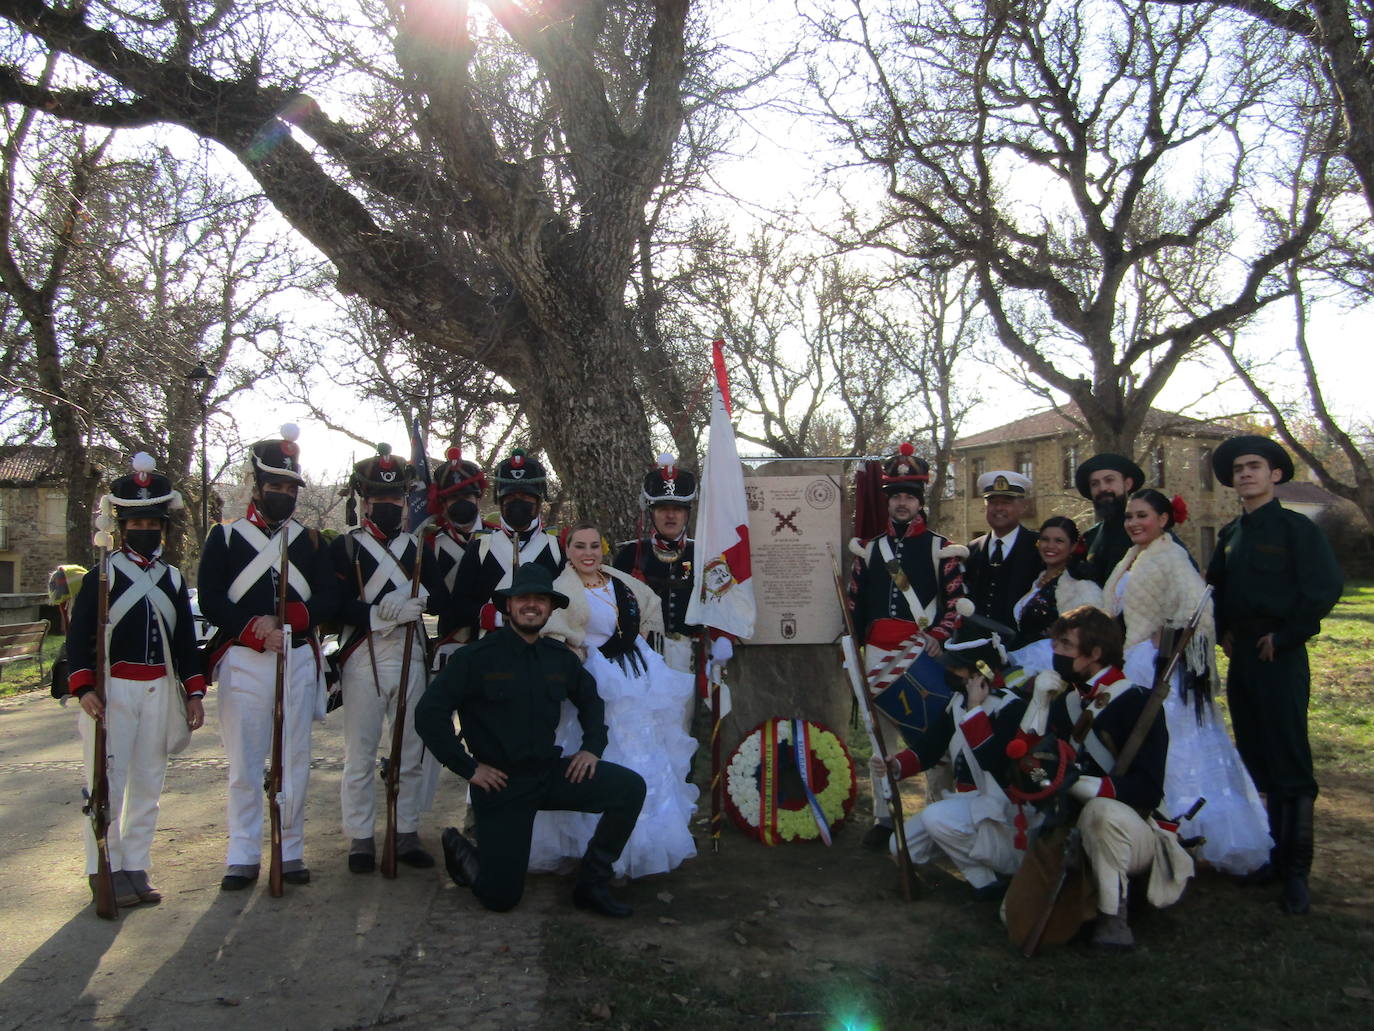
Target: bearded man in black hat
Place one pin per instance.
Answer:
(508, 690)
(905, 589)
(491, 558)
(240, 570)
(1002, 565)
(454, 496)
(153, 687)
(375, 567)
(1276, 579)
(663, 559)
(1106, 480)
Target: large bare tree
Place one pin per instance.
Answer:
(479, 172)
(1095, 162)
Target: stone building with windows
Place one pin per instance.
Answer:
(1174, 451)
(33, 518)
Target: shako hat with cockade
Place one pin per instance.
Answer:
(906, 473)
(666, 484)
(277, 458)
(382, 473)
(521, 473)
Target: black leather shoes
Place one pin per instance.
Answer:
(460, 857)
(416, 857)
(301, 876)
(361, 862)
(597, 898)
(235, 882)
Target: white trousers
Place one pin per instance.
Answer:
(135, 764)
(939, 778)
(247, 683)
(368, 706)
(969, 828)
(1118, 843)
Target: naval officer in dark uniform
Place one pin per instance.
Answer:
(1275, 579)
(508, 691)
(1002, 564)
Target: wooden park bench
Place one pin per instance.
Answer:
(21, 641)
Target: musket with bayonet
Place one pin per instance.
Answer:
(97, 805)
(888, 784)
(276, 886)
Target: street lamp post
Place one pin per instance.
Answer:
(200, 380)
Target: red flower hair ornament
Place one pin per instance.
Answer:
(1179, 510)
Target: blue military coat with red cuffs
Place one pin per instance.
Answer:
(873, 595)
(987, 734)
(312, 593)
(487, 561)
(354, 559)
(138, 649)
(1142, 786)
(444, 550)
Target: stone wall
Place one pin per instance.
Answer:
(34, 553)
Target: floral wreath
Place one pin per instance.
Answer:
(772, 798)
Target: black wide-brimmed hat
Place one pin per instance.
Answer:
(979, 644)
(1107, 460)
(1224, 457)
(904, 473)
(532, 578)
(381, 474)
(521, 473)
(277, 459)
(666, 484)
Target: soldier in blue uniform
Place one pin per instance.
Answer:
(508, 691)
(454, 498)
(240, 570)
(153, 685)
(374, 564)
(905, 589)
(491, 558)
(1275, 579)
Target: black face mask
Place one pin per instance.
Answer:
(1063, 665)
(386, 516)
(518, 514)
(145, 542)
(276, 506)
(462, 512)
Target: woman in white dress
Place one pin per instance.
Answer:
(1153, 588)
(1053, 593)
(607, 615)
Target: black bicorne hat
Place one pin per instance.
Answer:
(1224, 457)
(905, 473)
(523, 473)
(277, 459)
(666, 484)
(382, 473)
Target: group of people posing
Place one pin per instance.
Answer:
(1056, 639)
(571, 676)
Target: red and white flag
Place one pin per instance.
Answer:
(722, 582)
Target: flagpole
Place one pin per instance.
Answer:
(703, 658)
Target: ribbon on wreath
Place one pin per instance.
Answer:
(801, 745)
(768, 783)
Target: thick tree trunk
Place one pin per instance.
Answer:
(590, 419)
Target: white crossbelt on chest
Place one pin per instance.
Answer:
(922, 614)
(499, 547)
(266, 559)
(143, 585)
(387, 560)
(444, 544)
(1102, 755)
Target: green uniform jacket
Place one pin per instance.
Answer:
(509, 698)
(1273, 572)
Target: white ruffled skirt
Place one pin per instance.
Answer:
(1204, 763)
(644, 720)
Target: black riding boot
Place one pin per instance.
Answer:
(1298, 835)
(594, 882)
(1272, 870)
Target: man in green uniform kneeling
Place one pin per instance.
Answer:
(1276, 579)
(508, 690)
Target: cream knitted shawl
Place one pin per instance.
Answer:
(1163, 590)
(570, 624)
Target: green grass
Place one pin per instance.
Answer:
(24, 676)
(1341, 716)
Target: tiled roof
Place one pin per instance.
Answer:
(23, 464)
(1055, 423)
(1305, 492)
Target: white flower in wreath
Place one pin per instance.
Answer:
(742, 782)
